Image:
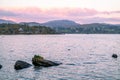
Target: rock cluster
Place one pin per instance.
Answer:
(37, 61)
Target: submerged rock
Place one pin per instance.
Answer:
(69, 49)
(0, 66)
(21, 65)
(40, 61)
(114, 56)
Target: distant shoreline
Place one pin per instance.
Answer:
(60, 34)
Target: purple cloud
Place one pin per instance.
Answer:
(100, 20)
(7, 13)
(41, 15)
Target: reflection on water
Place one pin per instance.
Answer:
(84, 57)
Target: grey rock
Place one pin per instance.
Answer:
(40, 61)
(21, 65)
(0, 66)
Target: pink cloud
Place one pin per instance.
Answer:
(82, 12)
(41, 15)
(100, 20)
(111, 12)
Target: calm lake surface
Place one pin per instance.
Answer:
(84, 56)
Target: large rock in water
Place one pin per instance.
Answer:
(40, 61)
(21, 65)
(0, 66)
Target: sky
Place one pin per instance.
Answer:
(80, 11)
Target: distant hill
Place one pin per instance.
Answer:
(60, 23)
(30, 23)
(53, 24)
(6, 22)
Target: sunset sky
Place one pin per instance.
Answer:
(80, 11)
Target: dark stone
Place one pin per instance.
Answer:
(70, 64)
(0, 66)
(68, 49)
(114, 56)
(40, 61)
(21, 65)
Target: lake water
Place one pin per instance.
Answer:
(84, 56)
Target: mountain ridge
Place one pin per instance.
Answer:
(67, 26)
(60, 23)
(52, 23)
(2, 21)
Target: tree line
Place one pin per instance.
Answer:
(90, 29)
(24, 29)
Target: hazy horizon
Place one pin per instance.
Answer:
(83, 12)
